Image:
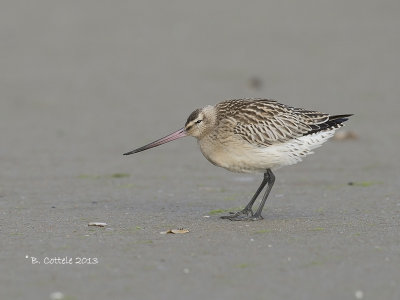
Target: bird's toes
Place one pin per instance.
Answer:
(244, 215)
(256, 217)
(239, 216)
(227, 217)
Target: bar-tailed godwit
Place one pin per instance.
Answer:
(255, 135)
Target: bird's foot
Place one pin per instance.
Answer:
(256, 217)
(243, 215)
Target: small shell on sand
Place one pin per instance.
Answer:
(99, 224)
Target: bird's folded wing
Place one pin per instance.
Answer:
(267, 122)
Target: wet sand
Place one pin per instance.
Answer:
(82, 83)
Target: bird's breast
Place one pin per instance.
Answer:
(232, 154)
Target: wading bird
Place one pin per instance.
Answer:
(255, 135)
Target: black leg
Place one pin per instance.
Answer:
(257, 215)
(260, 188)
(244, 214)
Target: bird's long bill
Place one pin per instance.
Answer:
(173, 136)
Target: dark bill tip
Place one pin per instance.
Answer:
(130, 152)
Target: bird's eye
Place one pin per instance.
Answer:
(198, 121)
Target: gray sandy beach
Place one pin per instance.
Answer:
(82, 82)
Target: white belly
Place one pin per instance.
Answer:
(241, 156)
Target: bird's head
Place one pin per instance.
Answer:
(201, 121)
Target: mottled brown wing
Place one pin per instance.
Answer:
(264, 122)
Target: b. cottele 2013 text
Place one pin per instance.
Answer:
(65, 260)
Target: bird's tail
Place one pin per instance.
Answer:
(332, 122)
(339, 118)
